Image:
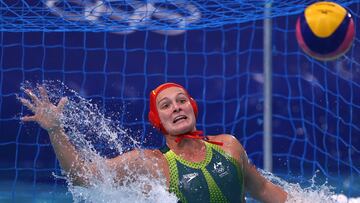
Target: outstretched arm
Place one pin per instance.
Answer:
(127, 165)
(47, 115)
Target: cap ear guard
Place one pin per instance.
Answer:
(194, 106)
(153, 114)
(153, 120)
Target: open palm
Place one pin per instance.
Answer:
(46, 114)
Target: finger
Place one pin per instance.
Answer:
(62, 103)
(44, 95)
(28, 118)
(32, 96)
(27, 103)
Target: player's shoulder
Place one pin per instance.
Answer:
(230, 145)
(227, 139)
(150, 157)
(144, 154)
(150, 153)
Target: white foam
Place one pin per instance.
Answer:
(341, 198)
(317, 193)
(129, 193)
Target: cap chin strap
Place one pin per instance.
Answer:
(197, 134)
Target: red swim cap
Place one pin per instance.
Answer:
(153, 113)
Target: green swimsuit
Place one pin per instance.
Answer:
(218, 178)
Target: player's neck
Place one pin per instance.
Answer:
(192, 150)
(186, 145)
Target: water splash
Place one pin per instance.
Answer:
(130, 193)
(87, 126)
(315, 192)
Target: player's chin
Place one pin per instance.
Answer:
(184, 127)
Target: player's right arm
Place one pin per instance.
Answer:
(47, 115)
(127, 166)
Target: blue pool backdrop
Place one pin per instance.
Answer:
(316, 105)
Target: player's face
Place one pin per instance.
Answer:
(175, 111)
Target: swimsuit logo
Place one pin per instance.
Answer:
(185, 181)
(189, 177)
(220, 169)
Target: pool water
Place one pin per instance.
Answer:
(21, 192)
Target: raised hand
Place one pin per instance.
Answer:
(46, 114)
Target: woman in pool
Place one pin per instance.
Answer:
(197, 168)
